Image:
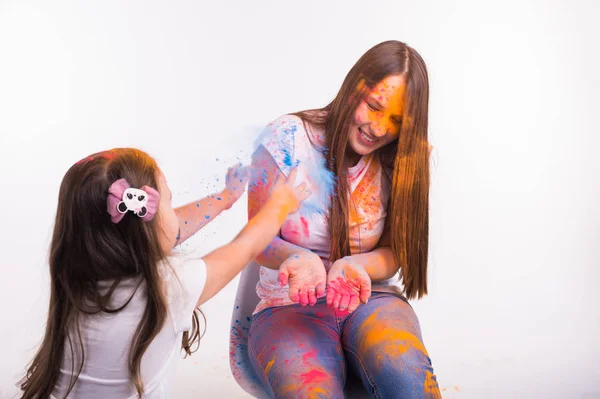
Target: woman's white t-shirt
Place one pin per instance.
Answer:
(288, 142)
(107, 337)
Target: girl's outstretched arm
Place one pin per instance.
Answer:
(224, 263)
(195, 215)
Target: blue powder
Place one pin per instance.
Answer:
(324, 182)
(287, 157)
(322, 179)
(284, 155)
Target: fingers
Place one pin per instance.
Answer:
(291, 179)
(300, 188)
(320, 289)
(309, 296)
(294, 294)
(354, 302)
(342, 300)
(302, 192)
(303, 296)
(280, 179)
(237, 177)
(283, 277)
(243, 173)
(336, 300)
(365, 291)
(312, 296)
(345, 301)
(234, 171)
(330, 295)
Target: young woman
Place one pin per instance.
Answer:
(346, 261)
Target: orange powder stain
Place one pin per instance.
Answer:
(281, 204)
(302, 391)
(361, 87)
(351, 275)
(318, 393)
(392, 343)
(366, 208)
(295, 387)
(269, 365)
(366, 197)
(430, 386)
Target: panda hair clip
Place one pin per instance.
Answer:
(123, 198)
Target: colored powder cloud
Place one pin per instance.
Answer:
(279, 139)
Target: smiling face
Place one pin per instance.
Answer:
(378, 117)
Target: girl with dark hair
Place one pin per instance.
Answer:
(122, 306)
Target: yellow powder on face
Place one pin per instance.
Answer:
(390, 93)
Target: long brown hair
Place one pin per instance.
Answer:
(88, 248)
(407, 157)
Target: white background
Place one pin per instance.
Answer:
(515, 218)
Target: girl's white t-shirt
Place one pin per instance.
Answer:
(107, 337)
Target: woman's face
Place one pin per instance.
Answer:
(377, 118)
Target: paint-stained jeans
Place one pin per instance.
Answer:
(302, 352)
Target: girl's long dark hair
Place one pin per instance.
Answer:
(88, 248)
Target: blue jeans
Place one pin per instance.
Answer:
(303, 352)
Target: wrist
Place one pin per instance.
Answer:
(228, 196)
(351, 260)
(280, 207)
(306, 254)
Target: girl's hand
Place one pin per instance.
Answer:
(285, 195)
(235, 183)
(348, 285)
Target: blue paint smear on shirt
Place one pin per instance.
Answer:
(321, 177)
